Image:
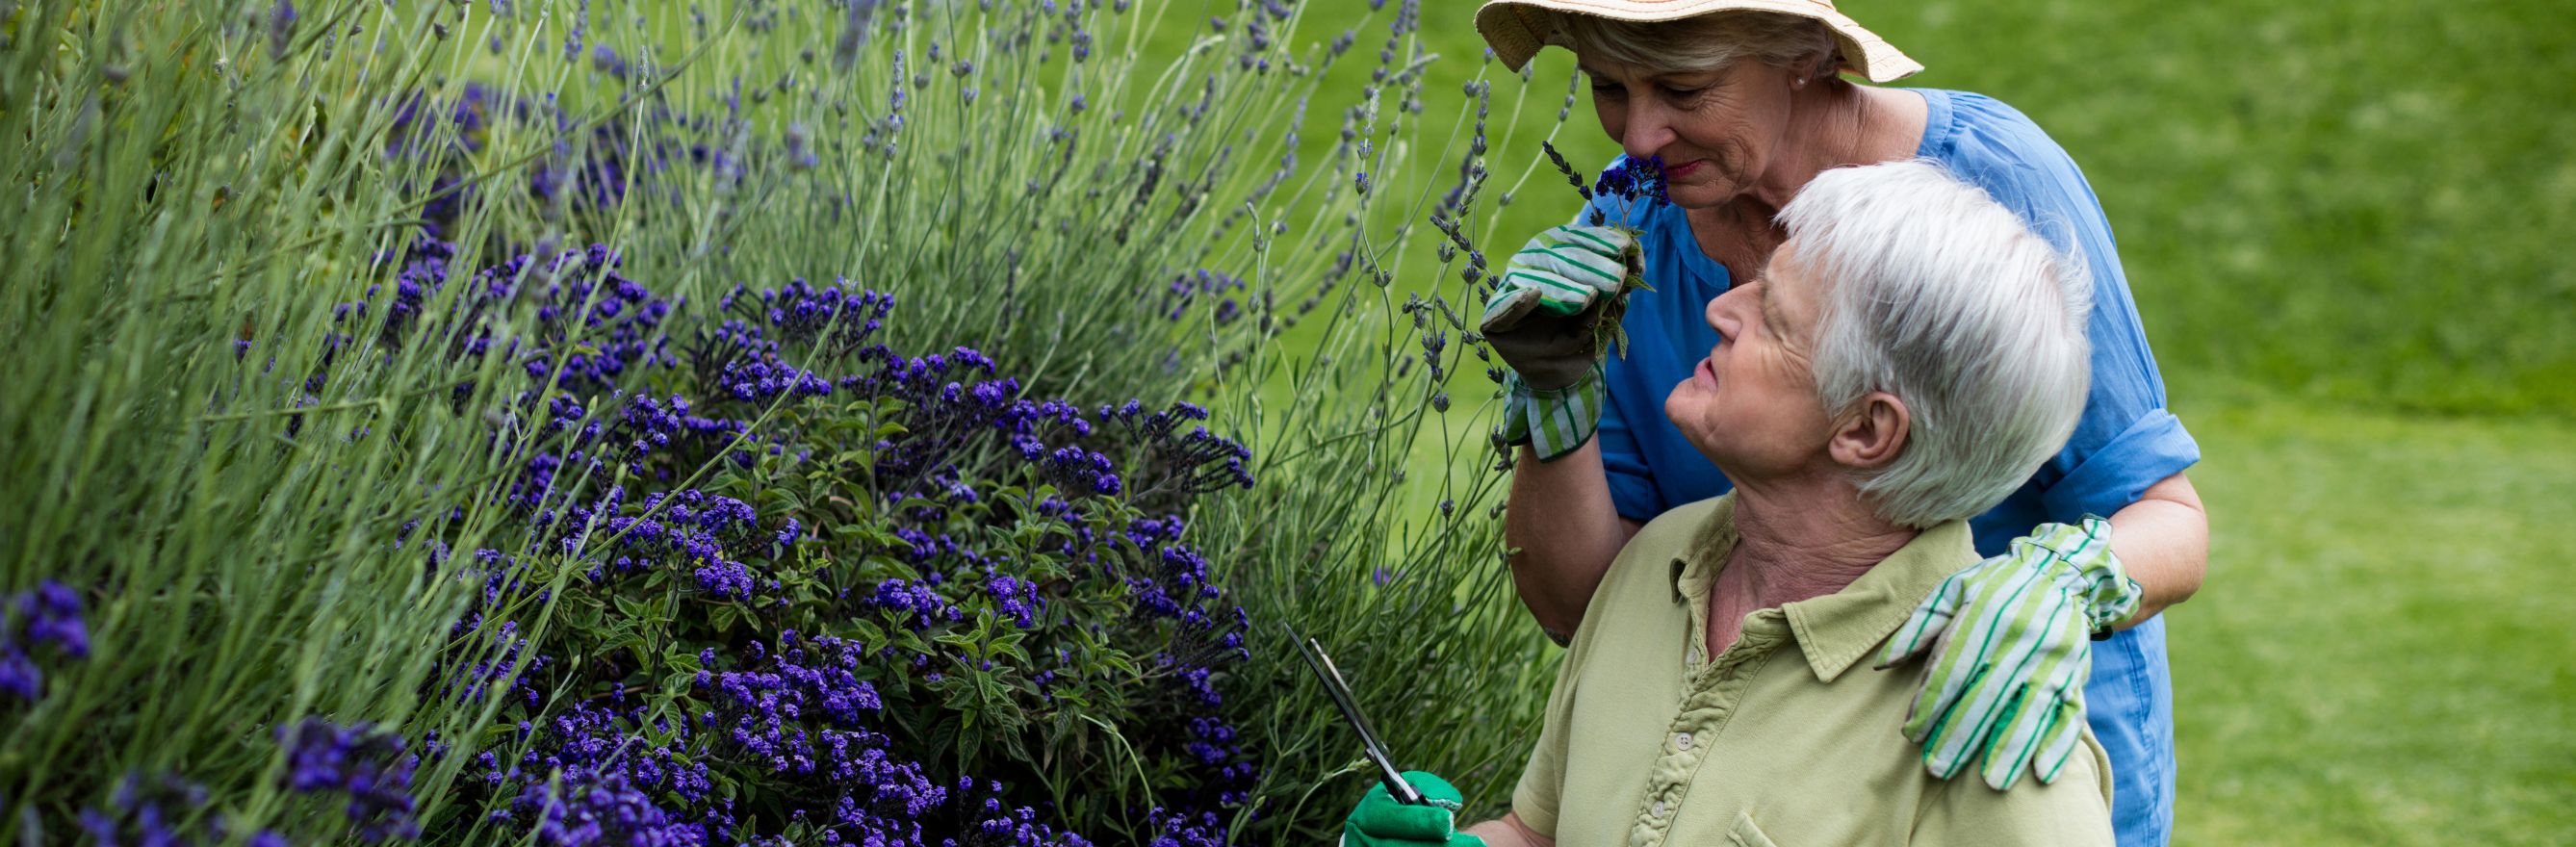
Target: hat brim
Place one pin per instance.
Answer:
(1518, 29)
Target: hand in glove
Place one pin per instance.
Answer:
(1545, 319)
(1380, 821)
(2011, 645)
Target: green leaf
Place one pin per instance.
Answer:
(633, 609)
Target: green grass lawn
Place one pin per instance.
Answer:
(2381, 654)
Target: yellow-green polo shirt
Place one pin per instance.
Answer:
(1788, 737)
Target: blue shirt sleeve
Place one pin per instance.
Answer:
(1632, 484)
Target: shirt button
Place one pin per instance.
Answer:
(1681, 741)
(1659, 808)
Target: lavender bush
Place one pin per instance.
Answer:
(943, 579)
(434, 424)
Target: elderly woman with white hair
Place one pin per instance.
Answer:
(1901, 364)
(1744, 102)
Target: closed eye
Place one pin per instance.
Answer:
(1762, 301)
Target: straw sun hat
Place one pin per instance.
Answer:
(1518, 28)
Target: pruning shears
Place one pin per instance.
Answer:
(1340, 691)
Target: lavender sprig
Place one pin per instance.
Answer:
(1628, 182)
(1632, 182)
(1572, 177)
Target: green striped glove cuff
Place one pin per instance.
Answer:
(2080, 561)
(1553, 422)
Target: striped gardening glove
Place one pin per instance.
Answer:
(1546, 318)
(2011, 645)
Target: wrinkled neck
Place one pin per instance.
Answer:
(1801, 540)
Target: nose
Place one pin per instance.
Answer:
(1649, 128)
(1726, 313)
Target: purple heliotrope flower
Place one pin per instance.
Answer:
(368, 765)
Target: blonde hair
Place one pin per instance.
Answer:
(1705, 43)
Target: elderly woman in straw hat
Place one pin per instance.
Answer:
(1902, 363)
(1744, 102)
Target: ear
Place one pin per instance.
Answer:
(1872, 434)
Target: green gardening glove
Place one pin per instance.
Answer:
(1379, 821)
(2012, 644)
(1545, 319)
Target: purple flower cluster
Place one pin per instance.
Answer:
(1203, 284)
(360, 761)
(1182, 830)
(149, 811)
(587, 172)
(1634, 180)
(800, 718)
(693, 528)
(605, 774)
(1629, 181)
(421, 119)
(840, 318)
(474, 674)
(593, 323)
(1016, 598)
(607, 811)
(590, 324)
(916, 602)
(45, 620)
(1180, 463)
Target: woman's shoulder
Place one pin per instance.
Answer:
(1997, 148)
(2072, 809)
(1969, 110)
(1974, 133)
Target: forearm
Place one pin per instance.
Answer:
(1509, 832)
(2163, 542)
(1565, 533)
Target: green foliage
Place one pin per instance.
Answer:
(184, 445)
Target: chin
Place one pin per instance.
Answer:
(1699, 196)
(1686, 403)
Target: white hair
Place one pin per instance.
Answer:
(1931, 291)
(1704, 43)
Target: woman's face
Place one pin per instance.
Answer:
(1751, 406)
(1717, 131)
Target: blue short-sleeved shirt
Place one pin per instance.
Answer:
(2125, 442)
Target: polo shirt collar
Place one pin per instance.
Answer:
(1837, 630)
